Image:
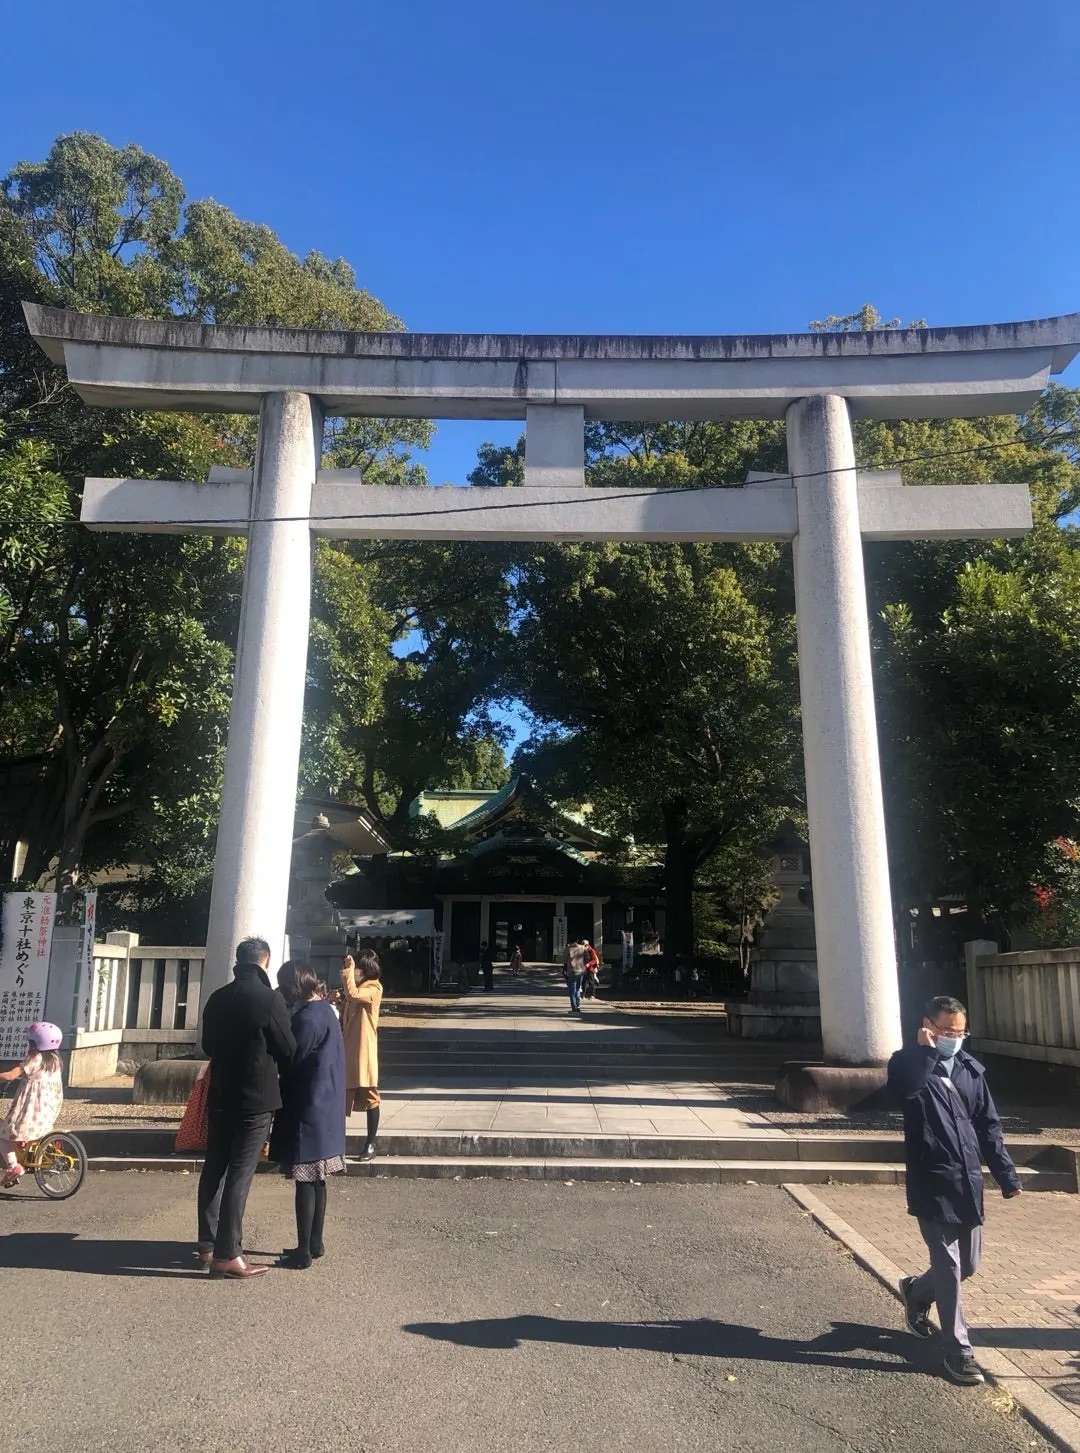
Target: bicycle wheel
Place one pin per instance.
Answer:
(61, 1165)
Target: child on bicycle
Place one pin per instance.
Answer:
(37, 1100)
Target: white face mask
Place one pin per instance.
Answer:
(947, 1046)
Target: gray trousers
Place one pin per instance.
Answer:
(955, 1253)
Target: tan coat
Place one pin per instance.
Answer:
(360, 1026)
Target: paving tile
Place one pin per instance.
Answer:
(1023, 1300)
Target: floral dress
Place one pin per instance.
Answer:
(37, 1102)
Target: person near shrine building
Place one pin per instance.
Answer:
(248, 1041)
(361, 983)
(574, 970)
(308, 1139)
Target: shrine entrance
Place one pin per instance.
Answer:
(528, 925)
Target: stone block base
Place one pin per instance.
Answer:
(166, 1081)
(774, 1021)
(87, 1064)
(810, 1088)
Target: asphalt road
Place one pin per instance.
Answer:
(513, 1317)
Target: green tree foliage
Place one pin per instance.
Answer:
(978, 666)
(118, 649)
(661, 677)
(423, 719)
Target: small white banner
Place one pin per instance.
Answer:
(24, 966)
(390, 923)
(436, 958)
(558, 936)
(88, 986)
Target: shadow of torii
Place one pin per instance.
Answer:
(690, 1337)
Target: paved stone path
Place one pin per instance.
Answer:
(1024, 1300)
(480, 1317)
(605, 1071)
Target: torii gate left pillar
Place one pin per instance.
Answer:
(258, 798)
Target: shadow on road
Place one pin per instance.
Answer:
(1030, 1339)
(693, 1338)
(65, 1251)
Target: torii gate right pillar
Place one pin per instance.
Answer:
(860, 1007)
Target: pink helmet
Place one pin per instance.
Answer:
(43, 1036)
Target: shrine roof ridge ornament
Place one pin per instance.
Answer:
(902, 373)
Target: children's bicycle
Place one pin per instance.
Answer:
(58, 1162)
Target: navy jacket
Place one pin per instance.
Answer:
(310, 1125)
(246, 1036)
(949, 1130)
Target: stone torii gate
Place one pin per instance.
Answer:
(817, 382)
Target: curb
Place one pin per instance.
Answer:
(1041, 1408)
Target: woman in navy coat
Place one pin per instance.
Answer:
(308, 1139)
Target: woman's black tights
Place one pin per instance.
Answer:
(310, 1218)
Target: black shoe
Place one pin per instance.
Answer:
(917, 1318)
(293, 1260)
(294, 1252)
(368, 1152)
(961, 1367)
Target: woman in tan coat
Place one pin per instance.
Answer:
(360, 1026)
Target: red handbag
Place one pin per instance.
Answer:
(195, 1126)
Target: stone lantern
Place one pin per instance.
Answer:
(783, 998)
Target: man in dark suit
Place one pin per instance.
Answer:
(247, 1038)
(950, 1127)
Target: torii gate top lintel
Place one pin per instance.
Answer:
(905, 373)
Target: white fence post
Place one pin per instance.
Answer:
(194, 992)
(975, 949)
(168, 993)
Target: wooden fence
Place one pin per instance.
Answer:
(1026, 1005)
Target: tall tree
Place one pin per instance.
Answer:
(114, 687)
(978, 667)
(661, 676)
(420, 715)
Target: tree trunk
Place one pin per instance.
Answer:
(680, 864)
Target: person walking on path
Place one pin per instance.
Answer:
(574, 968)
(308, 1139)
(950, 1127)
(591, 980)
(247, 1038)
(517, 962)
(360, 982)
(487, 967)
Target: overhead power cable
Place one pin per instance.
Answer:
(492, 505)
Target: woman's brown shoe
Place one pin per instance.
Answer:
(235, 1270)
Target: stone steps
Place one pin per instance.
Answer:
(776, 1159)
(569, 1168)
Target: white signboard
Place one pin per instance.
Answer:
(436, 958)
(558, 935)
(86, 980)
(389, 922)
(24, 966)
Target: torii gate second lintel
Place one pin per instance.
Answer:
(816, 381)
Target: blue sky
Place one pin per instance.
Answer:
(697, 166)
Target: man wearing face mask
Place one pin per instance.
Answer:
(950, 1128)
